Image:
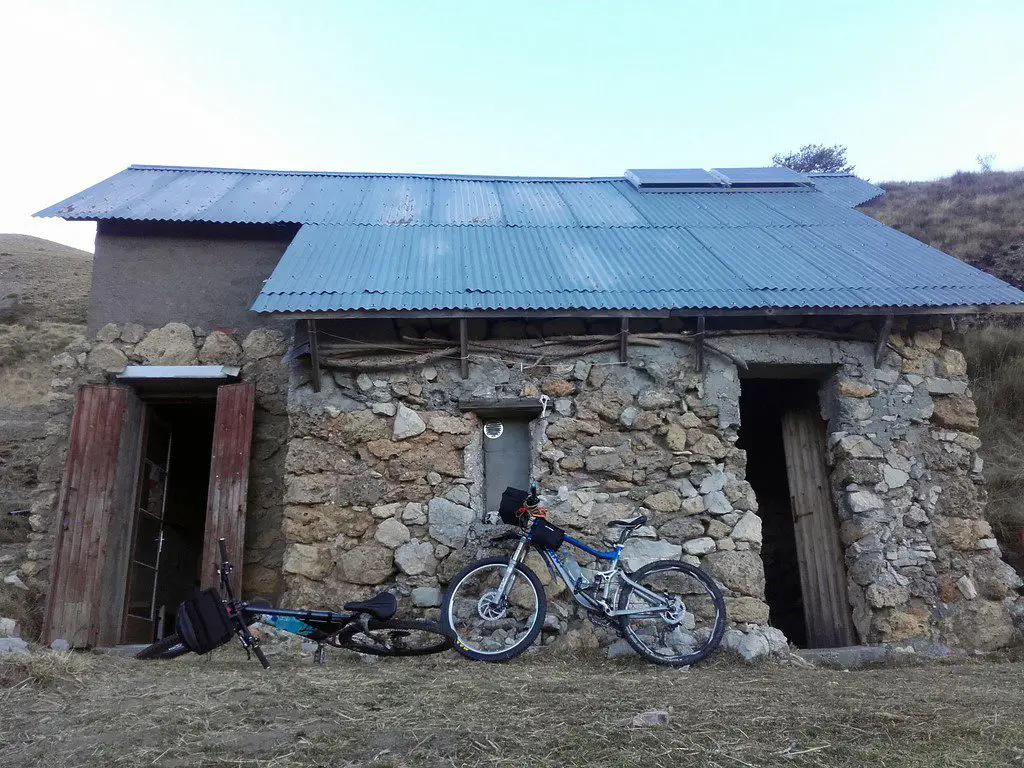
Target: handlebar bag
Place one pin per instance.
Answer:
(203, 622)
(512, 499)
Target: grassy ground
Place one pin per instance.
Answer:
(540, 711)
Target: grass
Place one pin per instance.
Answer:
(25, 355)
(540, 711)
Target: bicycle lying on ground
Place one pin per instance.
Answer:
(209, 619)
(669, 611)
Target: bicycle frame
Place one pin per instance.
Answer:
(609, 579)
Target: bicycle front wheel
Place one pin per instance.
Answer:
(487, 625)
(676, 614)
(396, 637)
(170, 647)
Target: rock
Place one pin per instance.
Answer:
(384, 511)
(603, 462)
(369, 563)
(746, 610)
(391, 533)
(459, 494)
(449, 522)
(106, 357)
(955, 412)
(652, 399)
(707, 448)
(653, 719)
(701, 546)
(9, 627)
(557, 387)
(262, 343)
(416, 557)
(748, 529)
(951, 362)
(407, 423)
(717, 504)
(13, 580)
(60, 644)
(742, 572)
(413, 514)
(364, 382)
(174, 344)
(886, 596)
(426, 597)
(693, 505)
(848, 388)
(930, 339)
(681, 529)
(861, 502)
(859, 447)
(109, 332)
(220, 349)
(628, 416)
(966, 587)
(753, 646)
(716, 481)
(13, 645)
(307, 560)
(429, 373)
(384, 409)
(133, 333)
(937, 386)
(894, 478)
(676, 438)
(618, 649)
(666, 501)
(449, 425)
(433, 477)
(639, 552)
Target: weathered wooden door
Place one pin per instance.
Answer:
(94, 514)
(822, 571)
(229, 480)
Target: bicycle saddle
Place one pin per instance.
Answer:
(633, 522)
(382, 606)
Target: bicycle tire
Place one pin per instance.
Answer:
(388, 638)
(527, 640)
(713, 591)
(170, 647)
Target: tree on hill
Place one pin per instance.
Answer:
(815, 157)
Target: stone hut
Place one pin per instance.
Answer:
(340, 373)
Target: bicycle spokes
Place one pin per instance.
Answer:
(485, 619)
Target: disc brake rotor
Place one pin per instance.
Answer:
(491, 607)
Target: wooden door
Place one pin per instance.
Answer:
(822, 570)
(94, 516)
(229, 480)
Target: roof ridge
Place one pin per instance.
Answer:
(371, 174)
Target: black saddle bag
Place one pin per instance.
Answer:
(203, 622)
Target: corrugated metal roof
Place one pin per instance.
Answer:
(418, 243)
(845, 188)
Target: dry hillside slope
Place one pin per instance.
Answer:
(44, 293)
(979, 218)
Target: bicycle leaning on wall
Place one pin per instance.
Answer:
(669, 611)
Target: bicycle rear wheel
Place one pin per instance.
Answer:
(395, 637)
(679, 613)
(170, 647)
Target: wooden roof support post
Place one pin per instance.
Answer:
(314, 354)
(698, 347)
(624, 341)
(883, 340)
(464, 347)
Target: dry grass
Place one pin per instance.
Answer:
(43, 280)
(540, 711)
(25, 355)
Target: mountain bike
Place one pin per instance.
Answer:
(209, 620)
(669, 612)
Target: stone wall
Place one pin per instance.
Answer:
(383, 481)
(95, 360)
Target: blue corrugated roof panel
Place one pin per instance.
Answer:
(394, 242)
(845, 188)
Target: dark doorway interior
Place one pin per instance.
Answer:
(170, 517)
(762, 405)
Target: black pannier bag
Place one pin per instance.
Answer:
(544, 535)
(511, 501)
(203, 622)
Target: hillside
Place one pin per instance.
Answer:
(44, 293)
(979, 218)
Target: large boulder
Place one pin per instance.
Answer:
(369, 563)
(739, 571)
(407, 423)
(639, 552)
(449, 522)
(416, 557)
(220, 349)
(106, 357)
(174, 344)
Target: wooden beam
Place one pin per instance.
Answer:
(698, 347)
(314, 354)
(464, 347)
(624, 340)
(883, 340)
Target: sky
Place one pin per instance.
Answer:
(914, 89)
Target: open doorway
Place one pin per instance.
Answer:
(805, 579)
(170, 516)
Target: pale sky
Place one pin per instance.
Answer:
(915, 89)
